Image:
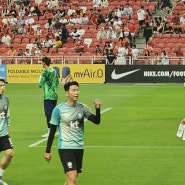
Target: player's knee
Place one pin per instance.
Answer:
(72, 178)
(72, 181)
(9, 153)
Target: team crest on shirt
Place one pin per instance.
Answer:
(69, 164)
(2, 115)
(5, 106)
(79, 115)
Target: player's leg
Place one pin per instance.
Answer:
(71, 177)
(49, 105)
(5, 161)
(68, 160)
(7, 147)
(181, 128)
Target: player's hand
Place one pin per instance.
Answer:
(47, 156)
(97, 103)
(183, 121)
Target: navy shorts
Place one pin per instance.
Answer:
(49, 105)
(71, 159)
(5, 143)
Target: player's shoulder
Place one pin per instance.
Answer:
(5, 97)
(60, 105)
(80, 104)
(49, 69)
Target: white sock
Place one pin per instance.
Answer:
(180, 130)
(1, 172)
(183, 135)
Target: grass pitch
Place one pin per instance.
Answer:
(135, 144)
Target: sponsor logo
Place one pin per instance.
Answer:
(74, 125)
(70, 164)
(121, 75)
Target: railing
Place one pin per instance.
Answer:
(141, 60)
(148, 60)
(54, 59)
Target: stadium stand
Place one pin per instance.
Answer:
(89, 29)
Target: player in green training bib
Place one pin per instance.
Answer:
(49, 81)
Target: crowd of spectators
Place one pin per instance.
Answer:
(60, 27)
(165, 36)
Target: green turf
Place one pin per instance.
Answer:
(135, 144)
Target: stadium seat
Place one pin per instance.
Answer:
(157, 35)
(182, 37)
(160, 45)
(174, 40)
(175, 36)
(81, 32)
(17, 39)
(26, 40)
(158, 50)
(178, 8)
(166, 40)
(33, 37)
(88, 42)
(167, 36)
(167, 49)
(180, 3)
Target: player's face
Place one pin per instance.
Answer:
(73, 93)
(2, 87)
(43, 65)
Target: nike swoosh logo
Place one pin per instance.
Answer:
(121, 75)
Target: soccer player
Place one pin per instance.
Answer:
(5, 142)
(69, 117)
(49, 80)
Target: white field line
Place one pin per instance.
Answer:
(132, 147)
(45, 139)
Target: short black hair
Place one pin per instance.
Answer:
(46, 60)
(68, 84)
(3, 80)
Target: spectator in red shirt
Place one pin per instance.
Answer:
(1, 35)
(179, 53)
(49, 16)
(79, 46)
(147, 57)
(176, 19)
(150, 43)
(94, 19)
(30, 30)
(132, 28)
(1, 23)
